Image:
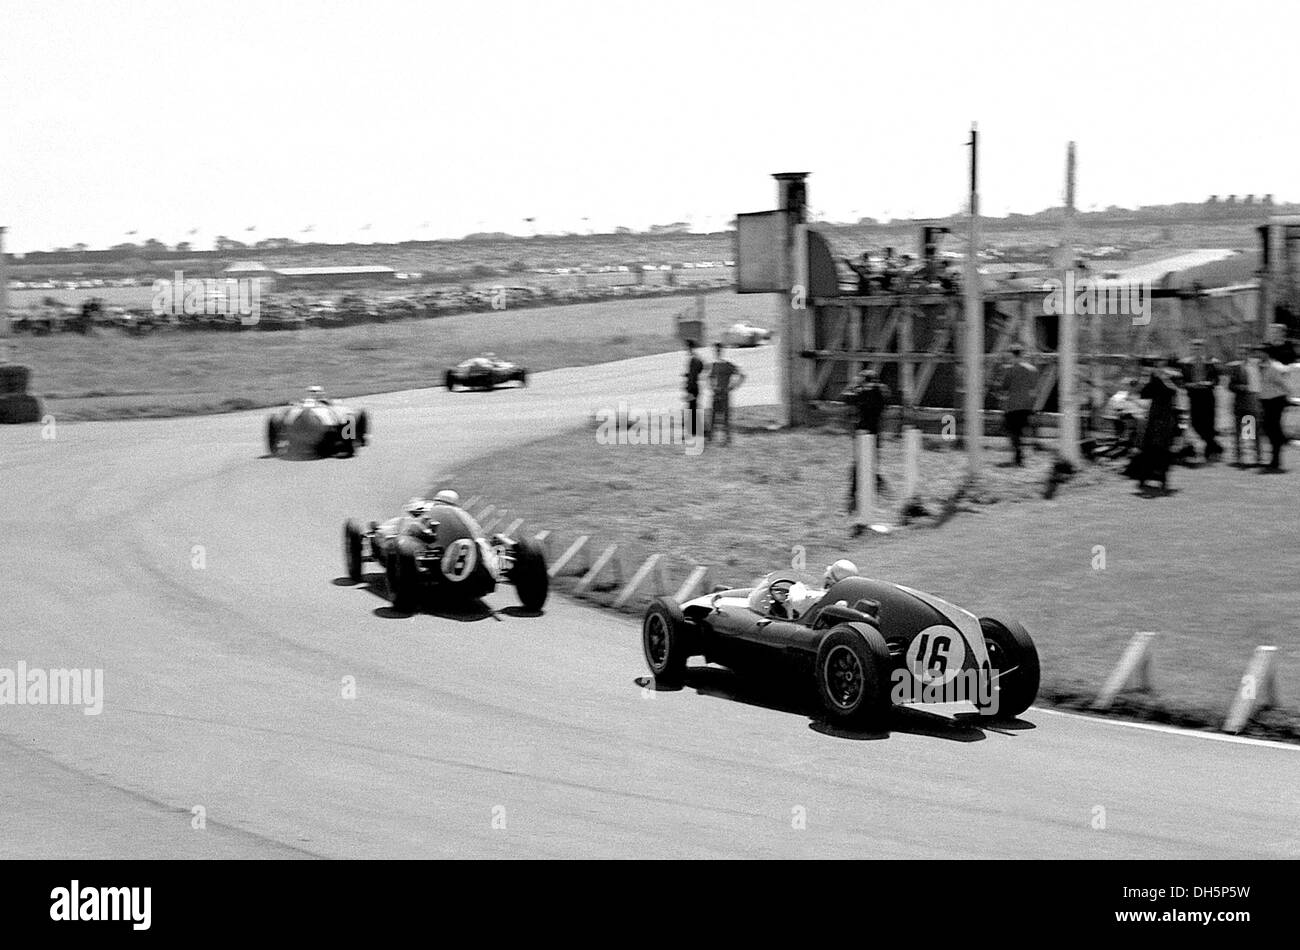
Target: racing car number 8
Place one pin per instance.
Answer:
(458, 560)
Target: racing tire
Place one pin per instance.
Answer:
(1010, 649)
(272, 437)
(14, 379)
(450, 382)
(363, 428)
(532, 582)
(327, 446)
(404, 577)
(352, 545)
(853, 676)
(523, 378)
(666, 642)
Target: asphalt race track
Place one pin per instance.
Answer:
(528, 737)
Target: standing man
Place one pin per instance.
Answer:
(1020, 388)
(724, 377)
(1201, 380)
(1274, 397)
(694, 367)
(868, 397)
(1243, 382)
(865, 274)
(1153, 460)
(1277, 347)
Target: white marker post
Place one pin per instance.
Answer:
(1258, 690)
(642, 574)
(693, 582)
(570, 554)
(607, 558)
(911, 463)
(1133, 670)
(865, 445)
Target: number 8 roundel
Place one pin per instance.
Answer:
(459, 559)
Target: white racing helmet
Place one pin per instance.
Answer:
(447, 497)
(839, 570)
(415, 507)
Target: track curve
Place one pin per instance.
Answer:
(198, 576)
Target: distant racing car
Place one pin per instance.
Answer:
(485, 372)
(745, 333)
(316, 426)
(438, 549)
(865, 644)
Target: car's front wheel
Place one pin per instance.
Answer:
(853, 669)
(352, 542)
(404, 576)
(529, 575)
(1013, 659)
(272, 437)
(665, 640)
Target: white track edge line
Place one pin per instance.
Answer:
(1174, 730)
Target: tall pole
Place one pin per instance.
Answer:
(974, 359)
(1067, 348)
(792, 312)
(4, 301)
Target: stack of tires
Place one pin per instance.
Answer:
(16, 404)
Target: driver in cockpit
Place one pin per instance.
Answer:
(803, 597)
(779, 591)
(786, 598)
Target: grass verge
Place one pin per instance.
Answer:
(1207, 566)
(115, 376)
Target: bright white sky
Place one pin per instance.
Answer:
(431, 119)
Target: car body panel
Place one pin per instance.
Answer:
(481, 372)
(305, 424)
(744, 333)
(928, 637)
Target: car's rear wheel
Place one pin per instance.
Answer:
(665, 640)
(1013, 659)
(343, 445)
(529, 575)
(404, 576)
(352, 543)
(523, 377)
(853, 676)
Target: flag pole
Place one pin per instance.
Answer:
(974, 356)
(1067, 350)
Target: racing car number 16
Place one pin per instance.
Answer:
(935, 655)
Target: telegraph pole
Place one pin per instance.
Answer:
(1067, 347)
(792, 308)
(4, 301)
(974, 358)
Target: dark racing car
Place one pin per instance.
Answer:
(865, 644)
(316, 427)
(438, 550)
(485, 372)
